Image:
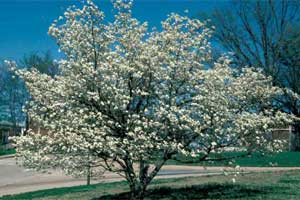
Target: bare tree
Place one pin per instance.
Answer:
(44, 63)
(13, 94)
(290, 58)
(12, 98)
(258, 34)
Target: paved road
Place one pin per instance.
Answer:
(14, 179)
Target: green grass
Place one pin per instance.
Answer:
(6, 151)
(267, 186)
(78, 191)
(282, 159)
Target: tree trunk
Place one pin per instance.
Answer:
(296, 140)
(137, 191)
(88, 177)
(138, 185)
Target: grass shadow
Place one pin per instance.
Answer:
(289, 181)
(209, 191)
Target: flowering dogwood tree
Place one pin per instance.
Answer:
(127, 99)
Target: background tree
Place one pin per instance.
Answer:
(12, 98)
(13, 94)
(258, 34)
(126, 98)
(44, 63)
(290, 59)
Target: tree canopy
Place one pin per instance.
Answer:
(127, 97)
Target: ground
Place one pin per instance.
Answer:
(280, 185)
(15, 179)
(6, 151)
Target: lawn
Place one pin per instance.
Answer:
(276, 185)
(282, 159)
(6, 151)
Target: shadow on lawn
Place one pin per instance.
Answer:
(289, 181)
(211, 191)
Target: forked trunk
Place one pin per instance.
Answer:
(137, 191)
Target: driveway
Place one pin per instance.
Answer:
(14, 179)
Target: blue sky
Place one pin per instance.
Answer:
(24, 23)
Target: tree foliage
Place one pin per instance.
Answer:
(126, 97)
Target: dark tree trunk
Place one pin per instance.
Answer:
(296, 138)
(27, 124)
(138, 184)
(137, 191)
